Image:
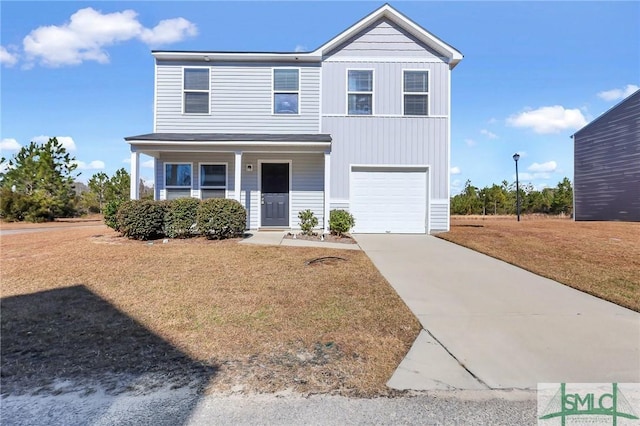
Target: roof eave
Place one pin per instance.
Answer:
(236, 56)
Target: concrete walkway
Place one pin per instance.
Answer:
(490, 325)
(277, 238)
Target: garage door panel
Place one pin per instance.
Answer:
(389, 200)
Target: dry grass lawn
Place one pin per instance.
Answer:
(600, 258)
(84, 304)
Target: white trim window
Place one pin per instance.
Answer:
(359, 92)
(178, 180)
(213, 180)
(195, 90)
(286, 91)
(415, 92)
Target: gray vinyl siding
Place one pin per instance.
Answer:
(387, 140)
(607, 165)
(383, 38)
(240, 100)
(439, 215)
(387, 86)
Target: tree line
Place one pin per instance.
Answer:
(501, 199)
(40, 184)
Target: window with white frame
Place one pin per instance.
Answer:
(415, 88)
(286, 90)
(196, 91)
(360, 92)
(213, 180)
(177, 180)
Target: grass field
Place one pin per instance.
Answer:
(83, 305)
(600, 258)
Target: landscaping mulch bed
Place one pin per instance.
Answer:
(329, 238)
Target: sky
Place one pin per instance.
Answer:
(533, 73)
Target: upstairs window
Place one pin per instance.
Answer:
(196, 91)
(415, 87)
(360, 92)
(286, 91)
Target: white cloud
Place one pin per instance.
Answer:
(617, 94)
(455, 170)
(488, 134)
(548, 119)
(93, 165)
(300, 48)
(169, 31)
(470, 142)
(456, 186)
(492, 120)
(9, 144)
(66, 141)
(532, 176)
(7, 58)
(549, 166)
(148, 164)
(88, 32)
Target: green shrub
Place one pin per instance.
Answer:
(141, 219)
(180, 219)
(221, 218)
(308, 221)
(16, 207)
(110, 212)
(340, 222)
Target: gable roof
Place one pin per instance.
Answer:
(385, 12)
(634, 97)
(388, 12)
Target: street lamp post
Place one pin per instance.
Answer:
(516, 157)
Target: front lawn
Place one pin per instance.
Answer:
(84, 305)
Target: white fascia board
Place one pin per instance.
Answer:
(414, 29)
(228, 143)
(236, 56)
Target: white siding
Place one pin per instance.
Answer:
(387, 86)
(439, 215)
(384, 38)
(241, 100)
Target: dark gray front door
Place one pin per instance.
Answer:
(275, 194)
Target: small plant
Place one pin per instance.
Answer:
(219, 218)
(180, 219)
(308, 221)
(340, 222)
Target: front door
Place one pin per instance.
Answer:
(275, 194)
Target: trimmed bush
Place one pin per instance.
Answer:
(308, 221)
(219, 218)
(180, 218)
(110, 212)
(340, 222)
(141, 219)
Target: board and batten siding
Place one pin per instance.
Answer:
(240, 100)
(384, 38)
(387, 86)
(607, 165)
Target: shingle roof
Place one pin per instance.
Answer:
(231, 137)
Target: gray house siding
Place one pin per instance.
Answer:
(307, 180)
(384, 38)
(607, 165)
(240, 100)
(387, 86)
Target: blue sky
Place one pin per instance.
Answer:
(533, 73)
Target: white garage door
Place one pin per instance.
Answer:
(389, 199)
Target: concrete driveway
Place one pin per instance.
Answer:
(488, 324)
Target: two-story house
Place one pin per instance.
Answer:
(362, 123)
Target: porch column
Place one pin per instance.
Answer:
(327, 188)
(134, 194)
(238, 176)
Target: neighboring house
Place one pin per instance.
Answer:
(362, 123)
(607, 165)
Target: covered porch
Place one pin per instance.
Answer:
(274, 176)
